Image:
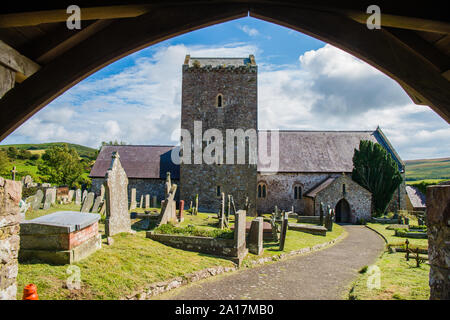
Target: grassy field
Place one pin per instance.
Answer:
(417, 170)
(134, 261)
(400, 279)
(83, 151)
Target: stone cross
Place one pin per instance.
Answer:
(13, 173)
(168, 208)
(116, 198)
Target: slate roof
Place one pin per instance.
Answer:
(312, 193)
(145, 162)
(323, 151)
(416, 197)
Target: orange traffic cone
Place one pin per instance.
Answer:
(30, 292)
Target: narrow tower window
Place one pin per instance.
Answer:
(219, 100)
(262, 192)
(218, 191)
(297, 192)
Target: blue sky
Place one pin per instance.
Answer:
(303, 83)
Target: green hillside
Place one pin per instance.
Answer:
(426, 169)
(83, 151)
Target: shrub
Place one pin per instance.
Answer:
(194, 231)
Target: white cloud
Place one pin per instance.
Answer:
(252, 32)
(327, 90)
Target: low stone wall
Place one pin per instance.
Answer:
(438, 224)
(316, 230)
(214, 246)
(10, 195)
(385, 221)
(308, 219)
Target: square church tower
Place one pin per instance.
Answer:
(221, 94)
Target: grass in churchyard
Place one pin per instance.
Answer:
(32, 214)
(400, 280)
(134, 261)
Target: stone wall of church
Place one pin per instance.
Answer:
(359, 199)
(153, 187)
(280, 190)
(200, 88)
(401, 194)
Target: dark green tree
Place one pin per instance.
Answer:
(12, 152)
(5, 166)
(376, 170)
(61, 165)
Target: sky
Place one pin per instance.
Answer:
(303, 84)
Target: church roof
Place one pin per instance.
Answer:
(144, 162)
(312, 193)
(322, 151)
(416, 197)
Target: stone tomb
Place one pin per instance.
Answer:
(63, 237)
(308, 228)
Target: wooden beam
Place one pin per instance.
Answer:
(93, 13)
(120, 38)
(395, 21)
(13, 60)
(377, 47)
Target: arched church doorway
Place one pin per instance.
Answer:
(342, 211)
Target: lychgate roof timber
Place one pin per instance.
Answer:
(144, 162)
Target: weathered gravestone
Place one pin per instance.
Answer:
(96, 206)
(155, 202)
(329, 219)
(85, 193)
(102, 191)
(36, 205)
(168, 208)
(141, 203)
(48, 199)
(133, 199)
(10, 195)
(70, 196)
(147, 201)
(88, 202)
(239, 235)
(53, 195)
(62, 237)
(255, 236)
(284, 227)
(181, 211)
(321, 214)
(116, 198)
(27, 181)
(78, 197)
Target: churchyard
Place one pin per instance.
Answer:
(401, 278)
(130, 254)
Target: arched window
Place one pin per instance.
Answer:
(262, 190)
(297, 192)
(219, 100)
(218, 191)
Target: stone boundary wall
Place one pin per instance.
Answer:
(164, 286)
(10, 195)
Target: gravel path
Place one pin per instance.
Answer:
(324, 274)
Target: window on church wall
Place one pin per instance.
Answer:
(262, 190)
(219, 100)
(343, 188)
(297, 192)
(218, 191)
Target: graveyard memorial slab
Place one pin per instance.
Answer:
(307, 228)
(88, 202)
(133, 199)
(62, 237)
(78, 197)
(36, 205)
(147, 201)
(255, 236)
(116, 198)
(97, 203)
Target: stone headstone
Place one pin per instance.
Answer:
(102, 191)
(255, 236)
(78, 197)
(133, 199)
(10, 195)
(38, 200)
(141, 203)
(168, 185)
(53, 193)
(27, 181)
(321, 214)
(181, 211)
(147, 201)
(155, 202)
(239, 235)
(85, 193)
(70, 196)
(284, 227)
(88, 202)
(48, 199)
(46, 185)
(168, 208)
(116, 198)
(97, 203)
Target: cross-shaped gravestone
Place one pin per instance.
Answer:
(13, 173)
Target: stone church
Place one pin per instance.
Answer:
(221, 94)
